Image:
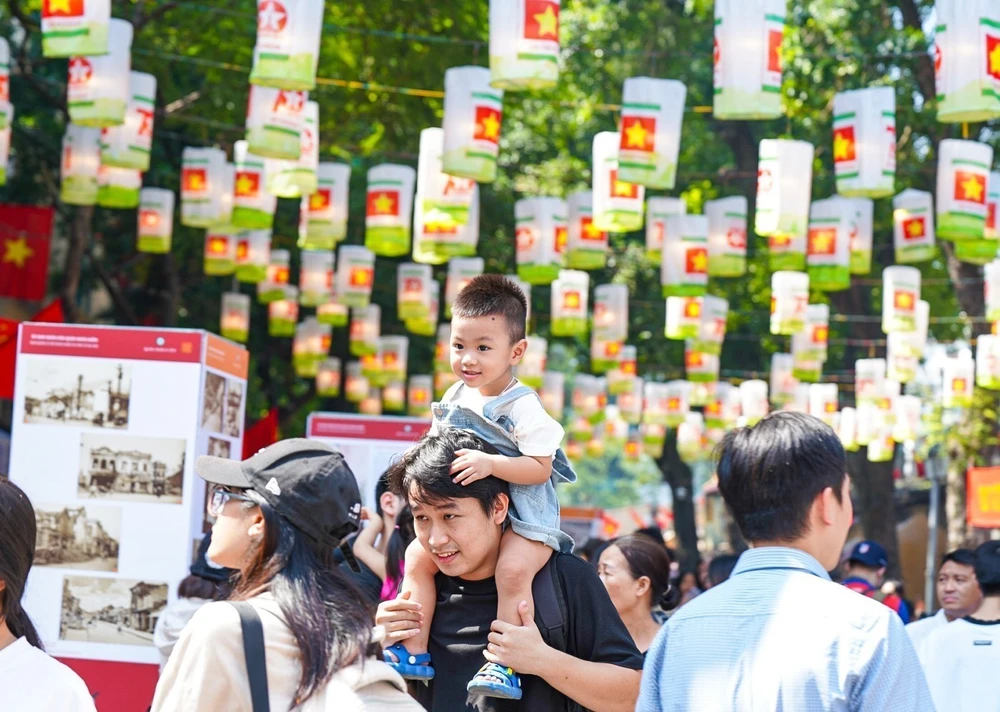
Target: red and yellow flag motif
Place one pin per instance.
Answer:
(638, 133)
(525, 239)
(218, 245)
(361, 276)
(62, 8)
(673, 404)
(904, 299)
(774, 41)
(562, 237)
(993, 56)
(320, 200)
(194, 179)
(844, 147)
(958, 385)
(242, 249)
(779, 241)
(247, 184)
(621, 189)
(612, 348)
(628, 368)
(383, 202)
(693, 359)
(970, 187)
(541, 20)
(692, 308)
(914, 228)
(488, 122)
(696, 261)
(820, 334)
(588, 232)
(149, 219)
(571, 299)
(822, 241)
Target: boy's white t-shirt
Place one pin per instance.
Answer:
(32, 680)
(536, 433)
(961, 661)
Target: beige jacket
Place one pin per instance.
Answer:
(207, 671)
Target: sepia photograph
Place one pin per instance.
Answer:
(79, 391)
(213, 400)
(234, 408)
(217, 447)
(82, 536)
(131, 468)
(107, 610)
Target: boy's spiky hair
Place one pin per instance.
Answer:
(493, 295)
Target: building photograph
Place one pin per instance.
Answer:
(131, 468)
(82, 536)
(234, 408)
(107, 610)
(213, 400)
(79, 391)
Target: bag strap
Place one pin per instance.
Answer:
(550, 606)
(253, 653)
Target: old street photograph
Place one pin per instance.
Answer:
(131, 468)
(82, 536)
(234, 407)
(217, 447)
(107, 610)
(213, 400)
(87, 392)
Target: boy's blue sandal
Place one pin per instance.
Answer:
(408, 665)
(507, 684)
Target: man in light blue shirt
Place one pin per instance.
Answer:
(779, 634)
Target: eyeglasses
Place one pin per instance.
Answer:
(219, 498)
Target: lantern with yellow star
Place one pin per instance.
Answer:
(587, 247)
(156, 220)
(287, 48)
(747, 58)
(783, 381)
(388, 210)
(723, 409)
(869, 381)
(309, 347)
(272, 287)
(658, 210)
(275, 118)
(118, 187)
(328, 378)
(684, 267)
(633, 446)
(678, 402)
(419, 394)
(784, 189)
(413, 293)
(958, 381)
(617, 205)
(427, 326)
(967, 60)
(97, 90)
(81, 160)
(570, 297)
(654, 436)
(962, 186)
(699, 366)
(553, 393)
(395, 356)
(442, 349)
(655, 403)
(473, 112)
(366, 327)
(652, 114)
(623, 372)
(753, 400)
(869, 422)
(988, 361)
(691, 438)
(809, 346)
(615, 428)
(323, 215)
(913, 226)
(823, 401)
(828, 252)
(75, 27)
(610, 326)
(294, 179)
(356, 386)
(333, 313)
(203, 184)
(727, 236)
(253, 205)
(253, 254)
(220, 251)
(315, 277)
(900, 294)
(443, 206)
(461, 271)
(630, 402)
(129, 145)
(901, 362)
(532, 367)
(683, 318)
(862, 235)
(907, 419)
(789, 300)
(234, 322)
(539, 225)
(355, 276)
(864, 141)
(524, 44)
(712, 329)
(5, 134)
(847, 429)
(283, 313)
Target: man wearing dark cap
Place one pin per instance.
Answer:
(865, 571)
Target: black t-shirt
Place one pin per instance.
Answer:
(467, 609)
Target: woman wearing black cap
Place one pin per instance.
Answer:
(279, 515)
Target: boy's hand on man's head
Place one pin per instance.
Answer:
(470, 466)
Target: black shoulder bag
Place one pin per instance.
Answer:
(253, 653)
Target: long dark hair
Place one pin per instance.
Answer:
(326, 613)
(17, 552)
(395, 551)
(647, 558)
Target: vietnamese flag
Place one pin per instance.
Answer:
(541, 20)
(830, 407)
(62, 8)
(696, 261)
(612, 349)
(628, 368)
(320, 200)
(638, 133)
(361, 276)
(779, 241)
(588, 231)
(194, 180)
(914, 228)
(958, 385)
(525, 239)
(25, 232)
(621, 189)
(673, 404)
(247, 184)
(844, 145)
(822, 241)
(774, 51)
(904, 300)
(970, 187)
(821, 334)
(487, 126)
(713, 408)
(693, 359)
(692, 308)
(562, 237)
(390, 359)
(383, 202)
(571, 300)
(991, 215)
(993, 56)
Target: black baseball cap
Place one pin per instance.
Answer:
(870, 554)
(306, 482)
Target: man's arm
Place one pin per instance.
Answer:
(596, 686)
(472, 465)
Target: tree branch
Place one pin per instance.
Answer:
(79, 239)
(924, 73)
(113, 289)
(21, 16)
(140, 20)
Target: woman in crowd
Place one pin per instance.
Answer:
(636, 572)
(29, 679)
(688, 585)
(388, 566)
(279, 516)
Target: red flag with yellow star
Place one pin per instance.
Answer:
(970, 187)
(822, 241)
(843, 145)
(774, 39)
(383, 202)
(62, 8)
(993, 56)
(638, 133)
(914, 228)
(541, 20)
(25, 232)
(488, 122)
(621, 189)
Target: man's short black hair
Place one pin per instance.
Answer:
(963, 557)
(988, 568)
(381, 487)
(423, 474)
(770, 474)
(493, 295)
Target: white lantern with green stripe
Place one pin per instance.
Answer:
(253, 205)
(684, 268)
(862, 235)
(294, 179)
(586, 246)
(235, 320)
(220, 251)
(913, 226)
(864, 141)
(966, 63)
(156, 220)
(810, 346)
(988, 361)
(610, 326)
(900, 294)
(959, 375)
(129, 145)
(274, 122)
(658, 209)
(81, 160)
(537, 224)
(443, 205)
(650, 130)
(783, 381)
(524, 44)
(355, 276)
(253, 256)
(389, 209)
(204, 185)
(828, 252)
(570, 299)
(461, 271)
(118, 187)
(473, 113)
(323, 215)
(75, 27)
(963, 178)
(991, 288)
(617, 204)
(727, 236)
(413, 291)
(747, 58)
(315, 277)
(97, 90)
(784, 190)
(287, 49)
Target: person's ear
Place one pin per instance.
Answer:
(642, 585)
(825, 507)
(256, 530)
(388, 502)
(517, 352)
(500, 507)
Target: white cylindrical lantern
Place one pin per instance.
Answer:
(712, 331)
(900, 294)
(315, 277)
(907, 419)
(570, 298)
(683, 318)
(118, 187)
(355, 276)
(988, 361)
(328, 378)
(203, 183)
(610, 326)
(864, 141)
(427, 325)
(272, 287)
(234, 323)
(828, 253)
(747, 58)
(727, 236)
(366, 327)
(658, 211)
(723, 409)
(691, 438)
(553, 393)
(333, 313)
(847, 429)
(587, 247)
(253, 205)
(97, 90)
(615, 428)
(901, 362)
(473, 113)
(287, 49)
(655, 396)
(310, 347)
(81, 160)
(283, 314)
(678, 403)
(966, 71)
(869, 380)
(253, 254)
(413, 290)
(684, 267)
(419, 394)
(156, 220)
(783, 381)
(356, 386)
(753, 400)
(532, 367)
(294, 179)
(323, 215)
(587, 397)
(274, 122)
(442, 349)
(617, 205)
(537, 223)
(395, 353)
(461, 271)
(444, 206)
(963, 178)
(862, 235)
(220, 252)
(881, 446)
(959, 374)
(784, 189)
(823, 401)
(699, 366)
(789, 300)
(389, 207)
(809, 346)
(524, 44)
(623, 371)
(992, 228)
(75, 27)
(129, 145)
(913, 226)
(630, 402)
(652, 114)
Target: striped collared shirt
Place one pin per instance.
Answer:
(780, 635)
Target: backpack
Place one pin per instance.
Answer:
(550, 606)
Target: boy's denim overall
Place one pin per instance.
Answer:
(534, 509)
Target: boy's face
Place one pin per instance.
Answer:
(481, 353)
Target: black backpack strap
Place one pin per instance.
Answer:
(253, 653)
(550, 605)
